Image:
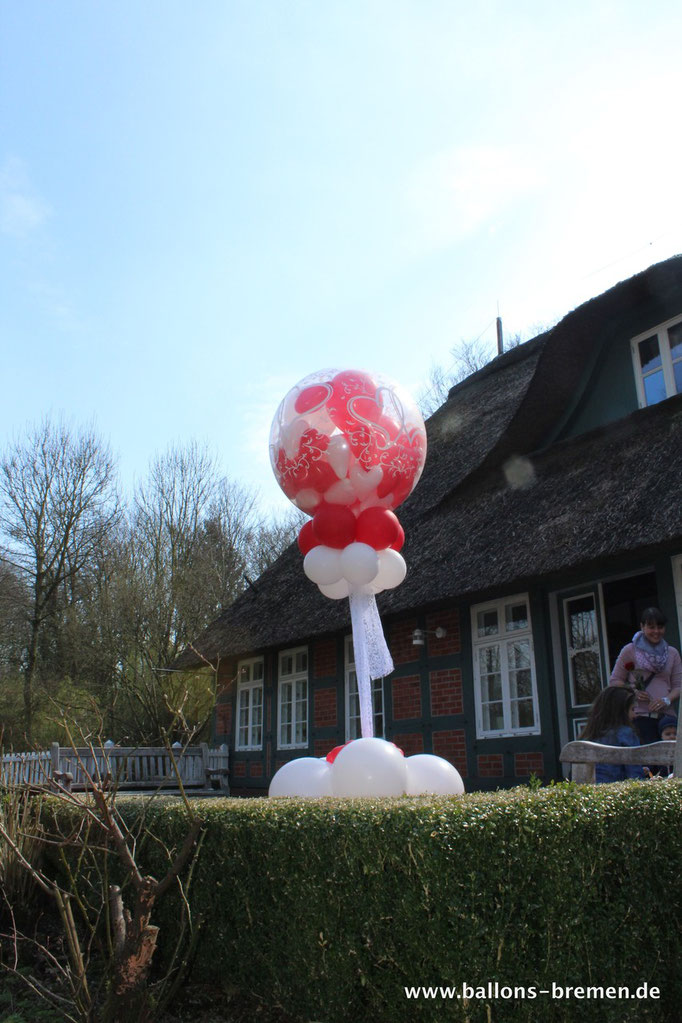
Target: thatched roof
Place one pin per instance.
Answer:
(493, 508)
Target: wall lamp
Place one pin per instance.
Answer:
(419, 635)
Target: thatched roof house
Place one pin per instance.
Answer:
(547, 517)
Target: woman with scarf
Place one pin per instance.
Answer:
(654, 669)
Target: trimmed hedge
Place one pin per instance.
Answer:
(330, 909)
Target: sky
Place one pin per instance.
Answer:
(201, 203)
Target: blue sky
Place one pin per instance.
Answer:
(202, 203)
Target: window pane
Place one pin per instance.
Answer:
(654, 388)
(491, 687)
(582, 622)
(675, 338)
(649, 354)
(301, 661)
(493, 717)
(516, 617)
(586, 674)
(489, 660)
(523, 715)
(257, 671)
(487, 623)
(519, 655)
(287, 665)
(521, 683)
(243, 720)
(677, 370)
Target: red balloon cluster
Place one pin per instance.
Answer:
(336, 526)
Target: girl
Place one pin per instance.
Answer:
(654, 668)
(610, 723)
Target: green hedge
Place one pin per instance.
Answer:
(330, 909)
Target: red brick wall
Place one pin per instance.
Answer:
(223, 719)
(409, 742)
(239, 769)
(490, 765)
(324, 658)
(446, 691)
(451, 745)
(528, 763)
(407, 697)
(450, 643)
(324, 701)
(400, 642)
(255, 769)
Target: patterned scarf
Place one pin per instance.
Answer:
(648, 656)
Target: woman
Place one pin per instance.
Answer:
(654, 669)
(610, 722)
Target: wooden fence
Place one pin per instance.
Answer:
(127, 768)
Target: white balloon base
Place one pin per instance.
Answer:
(367, 767)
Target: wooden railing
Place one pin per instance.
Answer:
(127, 768)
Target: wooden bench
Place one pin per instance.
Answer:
(583, 755)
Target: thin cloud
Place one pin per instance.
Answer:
(22, 210)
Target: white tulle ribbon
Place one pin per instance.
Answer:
(372, 657)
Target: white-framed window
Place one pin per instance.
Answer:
(250, 704)
(293, 698)
(504, 668)
(657, 358)
(353, 699)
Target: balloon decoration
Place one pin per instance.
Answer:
(347, 447)
(367, 767)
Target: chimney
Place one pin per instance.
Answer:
(500, 342)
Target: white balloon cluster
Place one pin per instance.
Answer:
(356, 566)
(368, 767)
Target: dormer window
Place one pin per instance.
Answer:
(657, 358)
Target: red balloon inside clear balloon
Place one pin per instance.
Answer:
(347, 439)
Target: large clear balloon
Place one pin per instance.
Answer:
(347, 439)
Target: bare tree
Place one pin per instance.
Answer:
(102, 966)
(57, 502)
(468, 357)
